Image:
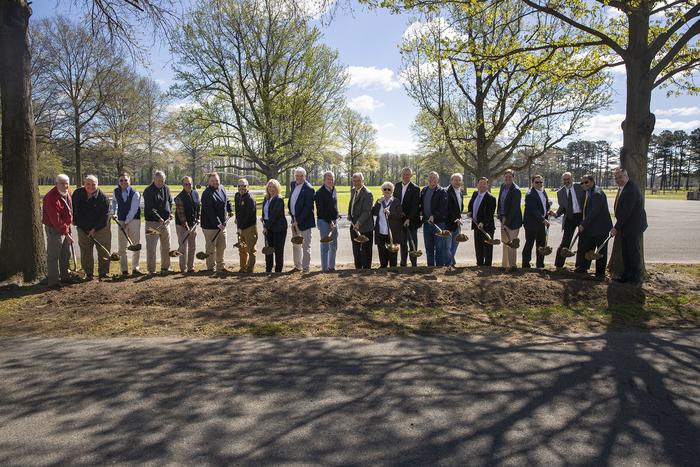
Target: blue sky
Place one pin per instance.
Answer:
(367, 41)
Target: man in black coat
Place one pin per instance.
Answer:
(91, 216)
(455, 207)
(594, 228)
(433, 206)
(535, 221)
(481, 209)
(511, 217)
(157, 197)
(570, 199)
(247, 225)
(630, 224)
(409, 194)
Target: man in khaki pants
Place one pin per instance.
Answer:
(91, 216)
(126, 206)
(247, 225)
(187, 209)
(511, 217)
(157, 203)
(216, 209)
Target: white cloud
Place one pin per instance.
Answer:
(608, 127)
(373, 77)
(668, 124)
(678, 112)
(364, 103)
(400, 146)
(383, 126)
(434, 27)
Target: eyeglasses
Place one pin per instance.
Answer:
(186, 184)
(123, 181)
(386, 189)
(539, 183)
(585, 182)
(242, 186)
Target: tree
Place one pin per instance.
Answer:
(22, 240)
(192, 139)
(358, 138)
(262, 80)
(495, 115)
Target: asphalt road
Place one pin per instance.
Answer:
(674, 227)
(610, 399)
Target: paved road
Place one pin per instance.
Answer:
(674, 226)
(610, 399)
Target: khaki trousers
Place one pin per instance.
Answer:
(302, 252)
(510, 255)
(134, 232)
(87, 260)
(247, 255)
(152, 244)
(187, 249)
(57, 255)
(215, 250)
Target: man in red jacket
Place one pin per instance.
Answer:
(57, 216)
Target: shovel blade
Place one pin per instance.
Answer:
(201, 255)
(297, 240)
(592, 255)
(136, 247)
(326, 239)
(416, 253)
(174, 253)
(268, 250)
(114, 257)
(493, 242)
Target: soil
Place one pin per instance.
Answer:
(355, 303)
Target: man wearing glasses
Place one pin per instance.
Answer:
(594, 228)
(126, 205)
(247, 224)
(570, 199)
(535, 221)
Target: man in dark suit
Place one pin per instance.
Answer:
(433, 205)
(594, 228)
(630, 224)
(511, 217)
(535, 221)
(361, 223)
(570, 199)
(301, 208)
(455, 206)
(481, 209)
(409, 194)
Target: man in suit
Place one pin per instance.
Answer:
(247, 225)
(511, 217)
(570, 199)
(301, 209)
(535, 221)
(408, 194)
(433, 206)
(594, 228)
(360, 217)
(455, 206)
(481, 209)
(630, 224)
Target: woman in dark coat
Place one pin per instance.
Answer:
(389, 214)
(274, 225)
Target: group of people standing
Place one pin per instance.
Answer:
(391, 222)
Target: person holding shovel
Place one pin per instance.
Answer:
(274, 226)
(594, 228)
(57, 217)
(301, 209)
(361, 225)
(157, 203)
(481, 209)
(570, 198)
(535, 221)
(388, 228)
(511, 218)
(91, 216)
(126, 205)
(326, 199)
(409, 194)
(216, 209)
(433, 202)
(187, 209)
(247, 224)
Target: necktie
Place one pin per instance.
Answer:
(352, 205)
(585, 204)
(569, 204)
(617, 198)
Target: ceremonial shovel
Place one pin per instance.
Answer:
(132, 246)
(566, 252)
(112, 256)
(595, 254)
(414, 253)
(176, 253)
(546, 249)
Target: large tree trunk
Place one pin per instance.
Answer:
(22, 242)
(639, 121)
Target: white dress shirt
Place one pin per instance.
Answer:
(543, 198)
(135, 203)
(404, 187)
(477, 204)
(293, 199)
(574, 200)
(383, 224)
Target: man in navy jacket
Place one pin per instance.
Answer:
(301, 208)
(535, 221)
(433, 208)
(510, 215)
(630, 224)
(594, 228)
(409, 194)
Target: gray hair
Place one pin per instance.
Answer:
(432, 172)
(62, 178)
(327, 173)
(406, 169)
(92, 177)
(458, 175)
(243, 181)
(300, 170)
(621, 171)
(566, 174)
(358, 174)
(159, 173)
(388, 184)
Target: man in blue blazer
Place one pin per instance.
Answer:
(570, 198)
(535, 221)
(630, 224)
(511, 217)
(301, 208)
(594, 228)
(433, 209)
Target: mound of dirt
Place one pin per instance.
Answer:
(349, 302)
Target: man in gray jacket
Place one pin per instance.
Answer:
(361, 223)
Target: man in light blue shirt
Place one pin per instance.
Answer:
(126, 206)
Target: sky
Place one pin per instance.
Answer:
(368, 44)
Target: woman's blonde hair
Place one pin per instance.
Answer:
(274, 184)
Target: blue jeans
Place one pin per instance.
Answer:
(436, 248)
(453, 248)
(327, 249)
